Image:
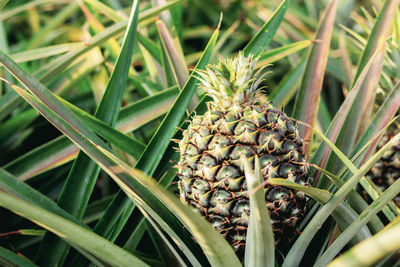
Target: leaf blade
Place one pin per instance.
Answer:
(71, 232)
(308, 96)
(267, 32)
(260, 245)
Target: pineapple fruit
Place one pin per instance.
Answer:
(387, 169)
(211, 176)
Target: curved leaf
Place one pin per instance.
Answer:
(155, 149)
(343, 214)
(264, 36)
(308, 96)
(273, 55)
(12, 185)
(84, 238)
(60, 150)
(82, 177)
(368, 252)
(298, 249)
(362, 219)
(260, 244)
(8, 258)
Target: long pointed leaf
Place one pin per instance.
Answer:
(260, 245)
(308, 96)
(367, 253)
(174, 53)
(381, 119)
(322, 156)
(145, 192)
(298, 249)
(8, 258)
(61, 150)
(12, 185)
(154, 151)
(82, 177)
(71, 232)
(362, 219)
(359, 115)
(46, 73)
(264, 36)
(343, 214)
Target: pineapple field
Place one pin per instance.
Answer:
(200, 133)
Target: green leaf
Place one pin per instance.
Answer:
(106, 10)
(260, 244)
(381, 119)
(343, 214)
(52, 24)
(338, 125)
(42, 158)
(308, 96)
(177, 21)
(12, 185)
(375, 207)
(49, 71)
(71, 232)
(320, 195)
(370, 251)
(115, 137)
(155, 149)
(298, 249)
(151, 47)
(378, 35)
(9, 258)
(153, 12)
(111, 102)
(61, 150)
(273, 55)
(15, 124)
(8, 102)
(360, 113)
(6, 14)
(353, 169)
(96, 209)
(264, 36)
(3, 3)
(168, 76)
(174, 53)
(31, 232)
(45, 52)
(286, 89)
(82, 177)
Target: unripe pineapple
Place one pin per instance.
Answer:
(211, 176)
(387, 170)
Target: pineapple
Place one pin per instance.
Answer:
(211, 176)
(387, 169)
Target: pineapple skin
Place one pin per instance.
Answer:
(212, 178)
(387, 170)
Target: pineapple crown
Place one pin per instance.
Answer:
(232, 81)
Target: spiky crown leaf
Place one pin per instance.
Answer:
(232, 81)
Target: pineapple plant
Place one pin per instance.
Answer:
(109, 197)
(211, 176)
(387, 170)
